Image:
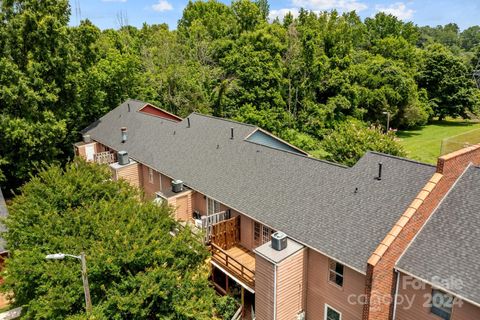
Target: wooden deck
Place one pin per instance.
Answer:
(242, 255)
(237, 261)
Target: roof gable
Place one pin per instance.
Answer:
(448, 246)
(154, 111)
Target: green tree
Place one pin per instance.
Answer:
(386, 25)
(352, 139)
(470, 38)
(248, 14)
(447, 79)
(25, 145)
(264, 8)
(136, 268)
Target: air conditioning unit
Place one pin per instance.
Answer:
(177, 186)
(279, 241)
(301, 315)
(123, 158)
(87, 138)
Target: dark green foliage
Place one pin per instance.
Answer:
(448, 82)
(136, 269)
(297, 78)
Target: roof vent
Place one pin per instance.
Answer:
(128, 105)
(231, 133)
(87, 138)
(279, 241)
(379, 177)
(123, 158)
(177, 186)
(124, 134)
(188, 122)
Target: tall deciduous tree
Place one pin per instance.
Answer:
(449, 84)
(136, 268)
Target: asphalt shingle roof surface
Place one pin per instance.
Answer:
(312, 201)
(448, 246)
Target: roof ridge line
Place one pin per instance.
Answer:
(223, 119)
(401, 158)
(301, 155)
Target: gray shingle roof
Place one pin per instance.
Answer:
(312, 201)
(448, 246)
(3, 214)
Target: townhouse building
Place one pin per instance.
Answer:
(300, 238)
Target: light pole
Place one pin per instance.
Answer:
(86, 289)
(388, 119)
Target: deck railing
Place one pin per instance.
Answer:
(106, 157)
(232, 265)
(209, 221)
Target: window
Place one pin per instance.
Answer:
(332, 314)
(212, 206)
(442, 304)
(261, 234)
(150, 175)
(335, 272)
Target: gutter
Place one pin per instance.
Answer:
(275, 292)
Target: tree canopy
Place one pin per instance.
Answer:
(136, 268)
(299, 77)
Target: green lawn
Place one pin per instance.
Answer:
(424, 144)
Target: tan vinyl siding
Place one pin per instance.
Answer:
(466, 311)
(166, 183)
(320, 291)
(291, 288)
(182, 206)
(246, 232)
(130, 173)
(82, 150)
(264, 280)
(199, 203)
(414, 299)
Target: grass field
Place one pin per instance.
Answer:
(424, 144)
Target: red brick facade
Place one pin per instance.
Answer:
(381, 278)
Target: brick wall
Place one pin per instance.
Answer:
(381, 278)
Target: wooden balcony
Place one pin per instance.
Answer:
(106, 157)
(237, 261)
(229, 255)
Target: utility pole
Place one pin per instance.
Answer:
(388, 120)
(83, 260)
(88, 301)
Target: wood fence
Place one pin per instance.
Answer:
(226, 234)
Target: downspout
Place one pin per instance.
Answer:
(275, 292)
(396, 295)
